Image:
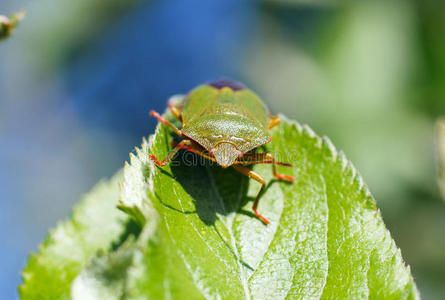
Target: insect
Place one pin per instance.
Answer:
(223, 122)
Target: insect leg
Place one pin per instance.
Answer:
(254, 176)
(165, 122)
(171, 154)
(175, 111)
(267, 158)
(192, 148)
(274, 121)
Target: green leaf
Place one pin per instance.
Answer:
(94, 225)
(142, 269)
(8, 24)
(326, 238)
(199, 238)
(104, 277)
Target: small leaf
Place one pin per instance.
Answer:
(199, 238)
(326, 238)
(94, 225)
(8, 24)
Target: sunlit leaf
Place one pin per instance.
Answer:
(199, 238)
(326, 238)
(94, 225)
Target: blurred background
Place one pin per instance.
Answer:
(78, 78)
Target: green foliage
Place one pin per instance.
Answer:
(95, 224)
(68, 26)
(199, 238)
(8, 24)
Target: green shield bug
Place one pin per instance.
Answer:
(222, 122)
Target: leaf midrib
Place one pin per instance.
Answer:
(243, 279)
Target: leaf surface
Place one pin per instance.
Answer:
(95, 225)
(199, 238)
(326, 238)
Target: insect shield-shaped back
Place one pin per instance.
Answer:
(227, 122)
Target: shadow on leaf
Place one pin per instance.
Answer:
(217, 198)
(131, 229)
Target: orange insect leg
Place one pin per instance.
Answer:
(165, 122)
(266, 158)
(175, 111)
(256, 177)
(274, 121)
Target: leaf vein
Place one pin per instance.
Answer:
(229, 226)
